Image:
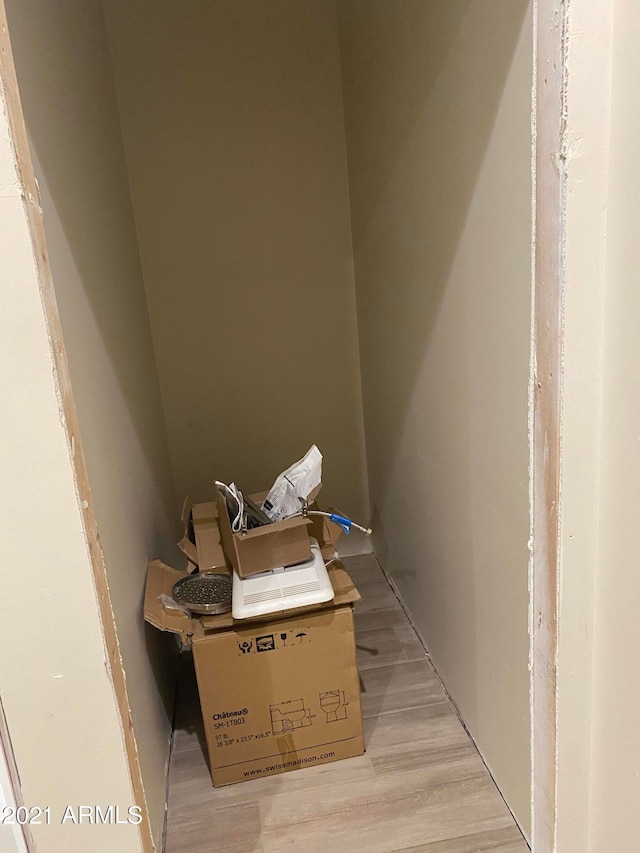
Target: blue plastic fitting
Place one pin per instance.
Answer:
(345, 523)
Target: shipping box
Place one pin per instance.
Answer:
(277, 693)
(281, 543)
(281, 695)
(210, 545)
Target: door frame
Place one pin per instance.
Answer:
(545, 399)
(11, 104)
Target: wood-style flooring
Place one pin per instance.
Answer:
(421, 786)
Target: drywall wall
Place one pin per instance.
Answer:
(593, 806)
(233, 128)
(615, 740)
(63, 720)
(437, 112)
(563, 810)
(598, 686)
(68, 95)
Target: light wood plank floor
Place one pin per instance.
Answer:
(420, 787)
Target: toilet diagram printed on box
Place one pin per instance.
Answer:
(288, 716)
(334, 705)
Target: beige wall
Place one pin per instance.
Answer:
(232, 120)
(437, 106)
(68, 96)
(598, 689)
(587, 131)
(615, 739)
(598, 685)
(57, 693)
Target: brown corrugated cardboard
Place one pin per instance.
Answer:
(160, 581)
(211, 556)
(294, 673)
(187, 543)
(282, 543)
(325, 532)
(280, 696)
(158, 589)
(201, 542)
(203, 546)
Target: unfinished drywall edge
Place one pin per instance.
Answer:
(550, 27)
(14, 778)
(69, 418)
(532, 364)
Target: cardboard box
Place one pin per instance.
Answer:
(203, 546)
(282, 543)
(281, 695)
(325, 532)
(277, 693)
(201, 542)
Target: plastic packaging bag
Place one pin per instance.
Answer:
(294, 486)
(171, 604)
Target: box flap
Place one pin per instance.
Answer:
(160, 581)
(344, 588)
(326, 532)
(189, 550)
(332, 530)
(204, 513)
(188, 542)
(210, 554)
(186, 515)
